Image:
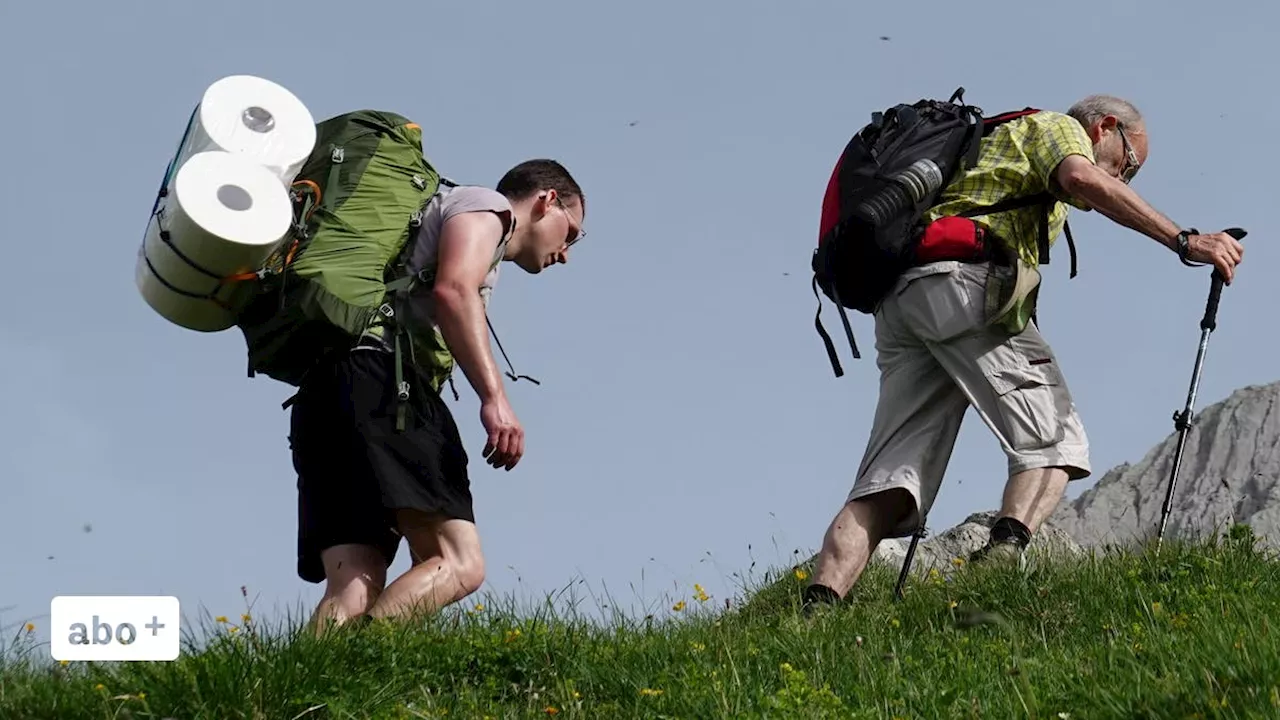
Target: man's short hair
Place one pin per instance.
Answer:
(1095, 107)
(531, 176)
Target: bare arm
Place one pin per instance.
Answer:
(467, 244)
(1083, 180)
(1090, 183)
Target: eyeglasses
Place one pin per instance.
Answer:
(569, 242)
(1131, 165)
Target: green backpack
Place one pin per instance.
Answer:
(342, 274)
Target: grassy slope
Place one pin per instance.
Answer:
(1190, 633)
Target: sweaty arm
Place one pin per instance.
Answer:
(467, 243)
(1087, 182)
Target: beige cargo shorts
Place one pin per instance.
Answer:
(937, 357)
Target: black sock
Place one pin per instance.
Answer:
(1006, 529)
(815, 594)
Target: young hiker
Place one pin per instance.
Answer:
(939, 354)
(364, 484)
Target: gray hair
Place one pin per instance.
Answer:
(1095, 107)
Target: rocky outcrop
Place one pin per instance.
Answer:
(1230, 474)
(938, 552)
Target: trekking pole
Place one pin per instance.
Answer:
(1182, 421)
(906, 563)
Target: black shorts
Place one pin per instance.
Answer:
(355, 470)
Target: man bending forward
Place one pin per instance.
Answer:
(362, 486)
(956, 334)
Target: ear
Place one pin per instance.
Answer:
(541, 203)
(1106, 124)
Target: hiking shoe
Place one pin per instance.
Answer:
(1000, 554)
(818, 599)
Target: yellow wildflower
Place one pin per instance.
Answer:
(64, 663)
(245, 617)
(99, 686)
(31, 627)
(513, 634)
(650, 692)
(700, 594)
(678, 606)
(479, 607)
(220, 618)
(801, 574)
(958, 562)
(550, 710)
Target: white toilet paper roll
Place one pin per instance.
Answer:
(254, 117)
(223, 216)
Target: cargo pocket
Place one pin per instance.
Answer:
(1026, 398)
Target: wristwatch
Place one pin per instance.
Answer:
(1183, 245)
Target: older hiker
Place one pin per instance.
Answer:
(956, 333)
(364, 484)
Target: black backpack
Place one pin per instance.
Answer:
(888, 176)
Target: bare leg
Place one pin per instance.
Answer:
(853, 535)
(1031, 496)
(448, 566)
(354, 576)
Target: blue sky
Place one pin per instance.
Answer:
(688, 421)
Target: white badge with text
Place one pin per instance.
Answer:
(114, 628)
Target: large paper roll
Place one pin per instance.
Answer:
(222, 217)
(247, 115)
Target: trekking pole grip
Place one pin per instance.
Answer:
(1210, 320)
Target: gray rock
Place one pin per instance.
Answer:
(1230, 474)
(939, 551)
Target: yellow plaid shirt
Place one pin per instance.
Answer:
(1018, 158)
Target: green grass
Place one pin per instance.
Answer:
(1188, 633)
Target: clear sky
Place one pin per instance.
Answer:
(688, 421)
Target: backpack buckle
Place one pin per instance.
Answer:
(419, 182)
(387, 310)
(338, 154)
(403, 390)
(416, 220)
